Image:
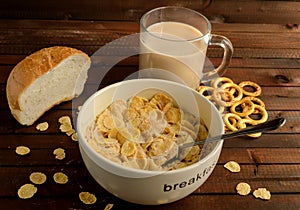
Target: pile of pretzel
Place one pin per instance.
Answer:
(238, 103)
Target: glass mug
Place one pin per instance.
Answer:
(173, 45)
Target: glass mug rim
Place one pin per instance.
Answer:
(145, 30)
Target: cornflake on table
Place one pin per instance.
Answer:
(232, 166)
(22, 150)
(87, 198)
(38, 178)
(27, 191)
(42, 126)
(60, 178)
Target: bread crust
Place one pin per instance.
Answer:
(33, 67)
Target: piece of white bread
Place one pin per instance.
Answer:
(44, 79)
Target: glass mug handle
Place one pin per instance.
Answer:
(225, 43)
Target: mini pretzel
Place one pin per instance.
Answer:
(243, 124)
(220, 108)
(257, 88)
(230, 123)
(248, 107)
(237, 93)
(223, 97)
(206, 89)
(255, 100)
(262, 111)
(216, 83)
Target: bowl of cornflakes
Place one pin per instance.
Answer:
(131, 133)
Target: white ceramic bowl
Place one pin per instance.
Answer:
(142, 186)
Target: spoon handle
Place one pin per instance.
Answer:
(266, 126)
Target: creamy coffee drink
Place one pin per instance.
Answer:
(173, 51)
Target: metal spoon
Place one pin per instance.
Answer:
(266, 126)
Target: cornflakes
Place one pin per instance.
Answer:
(243, 188)
(87, 198)
(74, 137)
(60, 178)
(27, 191)
(66, 125)
(42, 126)
(145, 133)
(22, 150)
(232, 166)
(262, 193)
(109, 206)
(64, 120)
(59, 153)
(37, 178)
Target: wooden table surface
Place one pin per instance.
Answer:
(266, 40)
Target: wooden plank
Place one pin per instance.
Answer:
(93, 9)
(254, 12)
(38, 157)
(272, 76)
(133, 26)
(278, 202)
(266, 140)
(261, 155)
(100, 37)
(273, 178)
(218, 11)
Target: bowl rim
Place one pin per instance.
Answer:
(91, 152)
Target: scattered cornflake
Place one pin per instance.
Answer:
(22, 150)
(26, 191)
(243, 188)
(65, 127)
(64, 120)
(79, 108)
(87, 198)
(262, 193)
(74, 137)
(38, 178)
(232, 166)
(59, 153)
(70, 132)
(109, 206)
(60, 178)
(42, 126)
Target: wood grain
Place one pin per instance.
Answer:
(266, 40)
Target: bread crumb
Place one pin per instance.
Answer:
(27, 191)
(38, 178)
(60, 178)
(262, 193)
(232, 166)
(243, 188)
(42, 126)
(22, 150)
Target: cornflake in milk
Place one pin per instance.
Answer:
(144, 133)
